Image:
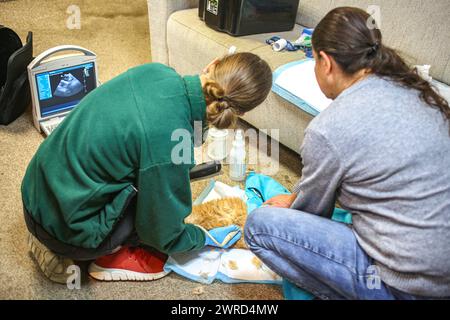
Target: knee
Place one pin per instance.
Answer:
(255, 224)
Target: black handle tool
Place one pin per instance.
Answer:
(205, 170)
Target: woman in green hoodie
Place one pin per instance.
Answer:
(105, 185)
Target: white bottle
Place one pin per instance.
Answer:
(237, 158)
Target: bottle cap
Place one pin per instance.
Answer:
(239, 138)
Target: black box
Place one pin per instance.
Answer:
(244, 17)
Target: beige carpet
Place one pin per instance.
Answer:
(118, 32)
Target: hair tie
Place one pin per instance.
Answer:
(225, 99)
(227, 106)
(374, 48)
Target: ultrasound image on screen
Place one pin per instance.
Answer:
(68, 86)
(63, 89)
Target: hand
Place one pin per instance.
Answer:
(210, 65)
(281, 201)
(223, 237)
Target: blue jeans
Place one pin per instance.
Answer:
(318, 255)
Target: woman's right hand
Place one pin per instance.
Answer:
(212, 63)
(281, 201)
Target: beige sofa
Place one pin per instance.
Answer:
(418, 29)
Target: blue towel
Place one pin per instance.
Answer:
(292, 292)
(260, 188)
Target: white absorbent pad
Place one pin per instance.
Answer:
(226, 265)
(218, 190)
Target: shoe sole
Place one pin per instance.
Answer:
(106, 274)
(38, 251)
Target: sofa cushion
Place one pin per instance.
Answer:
(186, 33)
(418, 29)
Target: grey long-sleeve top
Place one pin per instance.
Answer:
(384, 155)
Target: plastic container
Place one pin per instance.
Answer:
(238, 167)
(217, 148)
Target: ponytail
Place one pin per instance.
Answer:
(219, 111)
(344, 35)
(388, 63)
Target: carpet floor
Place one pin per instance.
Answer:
(118, 32)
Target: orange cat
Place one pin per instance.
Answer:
(220, 213)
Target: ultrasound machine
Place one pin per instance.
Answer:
(58, 83)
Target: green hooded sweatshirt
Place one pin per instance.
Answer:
(119, 139)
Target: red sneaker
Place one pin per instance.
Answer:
(129, 264)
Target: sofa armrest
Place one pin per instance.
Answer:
(159, 12)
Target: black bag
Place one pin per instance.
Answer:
(15, 94)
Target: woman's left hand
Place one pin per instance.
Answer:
(212, 63)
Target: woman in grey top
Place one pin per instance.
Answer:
(382, 151)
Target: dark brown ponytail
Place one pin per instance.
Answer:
(345, 35)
